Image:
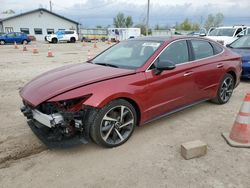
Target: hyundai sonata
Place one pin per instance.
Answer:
(131, 83)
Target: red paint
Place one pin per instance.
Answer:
(153, 94)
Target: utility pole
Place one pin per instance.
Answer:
(50, 6)
(147, 18)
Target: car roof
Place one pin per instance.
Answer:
(168, 38)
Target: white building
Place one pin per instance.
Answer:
(38, 23)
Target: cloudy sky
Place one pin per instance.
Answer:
(163, 12)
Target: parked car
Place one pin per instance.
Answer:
(242, 47)
(62, 36)
(131, 83)
(226, 35)
(202, 33)
(12, 37)
(86, 39)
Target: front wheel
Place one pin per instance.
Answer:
(114, 123)
(24, 42)
(225, 90)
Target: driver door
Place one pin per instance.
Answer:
(171, 89)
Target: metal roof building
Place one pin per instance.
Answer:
(38, 22)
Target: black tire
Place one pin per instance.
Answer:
(72, 40)
(103, 129)
(2, 42)
(24, 42)
(54, 40)
(225, 90)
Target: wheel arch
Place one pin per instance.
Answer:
(136, 106)
(233, 74)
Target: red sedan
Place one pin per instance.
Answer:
(129, 84)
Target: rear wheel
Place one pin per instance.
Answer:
(2, 42)
(114, 123)
(72, 40)
(225, 90)
(54, 40)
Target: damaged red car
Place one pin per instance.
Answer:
(129, 84)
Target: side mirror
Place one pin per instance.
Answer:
(164, 65)
(202, 34)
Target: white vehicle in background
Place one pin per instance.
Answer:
(226, 35)
(62, 35)
(119, 34)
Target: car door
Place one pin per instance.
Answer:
(207, 67)
(172, 88)
(10, 38)
(18, 37)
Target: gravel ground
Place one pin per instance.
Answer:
(151, 158)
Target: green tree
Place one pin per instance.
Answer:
(186, 25)
(143, 28)
(129, 21)
(121, 21)
(214, 21)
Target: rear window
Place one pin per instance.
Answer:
(201, 49)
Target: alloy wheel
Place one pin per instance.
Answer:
(117, 125)
(226, 89)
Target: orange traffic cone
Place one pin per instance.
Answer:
(95, 46)
(24, 47)
(109, 43)
(240, 133)
(89, 56)
(50, 54)
(35, 50)
(15, 45)
(83, 43)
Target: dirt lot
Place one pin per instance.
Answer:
(151, 158)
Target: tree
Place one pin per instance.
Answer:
(129, 21)
(143, 28)
(186, 25)
(214, 21)
(121, 21)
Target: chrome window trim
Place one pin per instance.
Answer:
(223, 49)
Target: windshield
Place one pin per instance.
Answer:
(222, 32)
(129, 54)
(243, 42)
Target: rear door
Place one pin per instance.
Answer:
(207, 67)
(172, 88)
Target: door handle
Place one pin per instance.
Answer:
(188, 73)
(219, 65)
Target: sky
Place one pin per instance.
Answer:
(91, 13)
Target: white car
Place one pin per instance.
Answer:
(226, 35)
(66, 36)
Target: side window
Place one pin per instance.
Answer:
(176, 52)
(238, 31)
(202, 49)
(217, 49)
(69, 32)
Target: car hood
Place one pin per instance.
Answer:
(63, 79)
(245, 54)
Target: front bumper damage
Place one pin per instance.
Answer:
(63, 130)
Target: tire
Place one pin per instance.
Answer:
(109, 129)
(225, 90)
(54, 40)
(2, 42)
(72, 40)
(24, 42)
